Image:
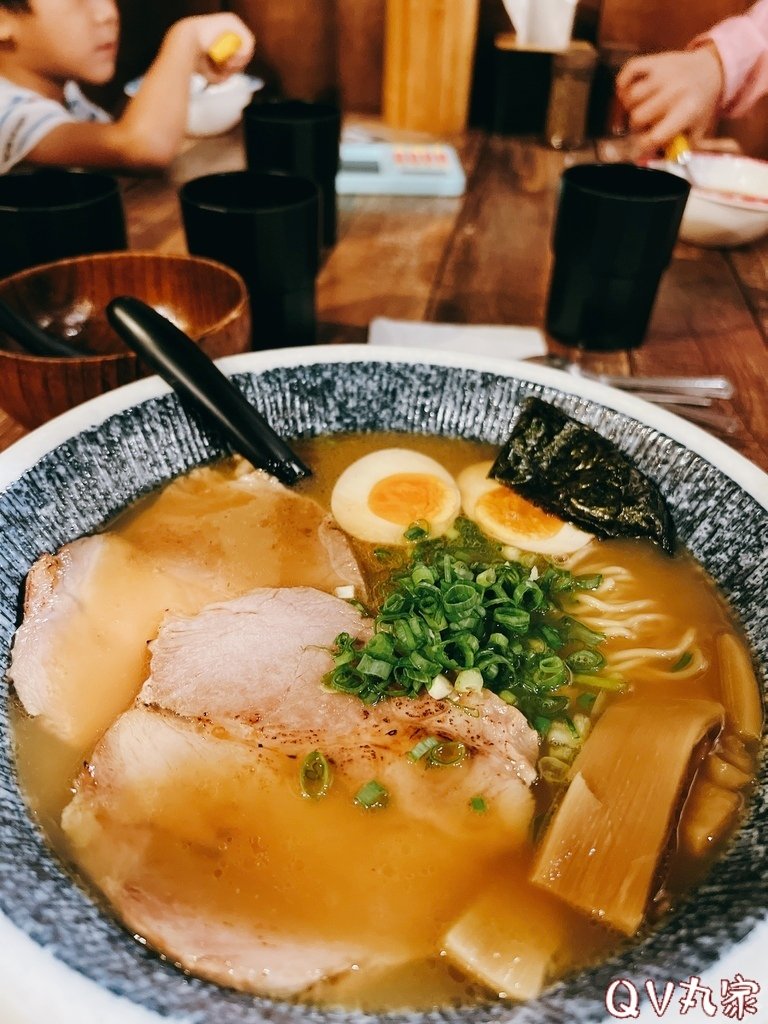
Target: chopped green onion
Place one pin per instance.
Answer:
(586, 700)
(372, 795)
(469, 680)
(551, 637)
(423, 747)
(582, 724)
(417, 531)
(585, 661)
(516, 619)
(614, 683)
(423, 574)
(551, 672)
(446, 755)
(478, 804)
(542, 725)
(383, 554)
(579, 633)
(486, 578)
(369, 666)
(553, 770)
(529, 594)
(381, 646)
(589, 582)
(456, 616)
(560, 733)
(682, 662)
(440, 687)
(315, 776)
(562, 753)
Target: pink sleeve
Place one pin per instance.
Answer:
(742, 43)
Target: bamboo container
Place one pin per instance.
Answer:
(428, 60)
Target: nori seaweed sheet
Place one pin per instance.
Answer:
(570, 470)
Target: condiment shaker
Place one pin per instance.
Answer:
(572, 72)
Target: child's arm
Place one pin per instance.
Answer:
(150, 131)
(743, 47)
(725, 71)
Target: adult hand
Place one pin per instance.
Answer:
(672, 93)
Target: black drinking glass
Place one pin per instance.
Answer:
(298, 138)
(53, 214)
(614, 234)
(266, 227)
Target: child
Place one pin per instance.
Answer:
(48, 46)
(724, 71)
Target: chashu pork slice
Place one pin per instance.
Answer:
(259, 660)
(190, 814)
(191, 836)
(80, 654)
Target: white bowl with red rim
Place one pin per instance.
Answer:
(728, 204)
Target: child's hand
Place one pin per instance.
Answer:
(205, 30)
(669, 94)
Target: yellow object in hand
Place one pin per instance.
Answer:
(226, 46)
(678, 150)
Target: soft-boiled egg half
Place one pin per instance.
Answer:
(503, 514)
(379, 496)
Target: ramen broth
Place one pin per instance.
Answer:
(327, 867)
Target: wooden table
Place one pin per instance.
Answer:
(484, 258)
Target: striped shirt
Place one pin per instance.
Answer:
(26, 117)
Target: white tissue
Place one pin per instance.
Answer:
(546, 24)
(501, 341)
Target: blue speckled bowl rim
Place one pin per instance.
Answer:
(71, 475)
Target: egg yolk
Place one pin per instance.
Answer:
(405, 497)
(507, 509)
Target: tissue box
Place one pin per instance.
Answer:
(521, 91)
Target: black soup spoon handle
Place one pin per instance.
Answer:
(190, 372)
(33, 338)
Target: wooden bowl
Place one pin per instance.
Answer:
(207, 300)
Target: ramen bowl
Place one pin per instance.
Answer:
(66, 957)
(68, 299)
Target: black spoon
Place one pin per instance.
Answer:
(33, 338)
(193, 375)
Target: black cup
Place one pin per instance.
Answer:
(298, 138)
(54, 214)
(615, 231)
(266, 227)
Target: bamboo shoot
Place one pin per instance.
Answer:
(603, 845)
(741, 695)
(709, 813)
(726, 775)
(508, 939)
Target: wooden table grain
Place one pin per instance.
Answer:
(485, 258)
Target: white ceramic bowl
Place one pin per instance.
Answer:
(214, 109)
(728, 204)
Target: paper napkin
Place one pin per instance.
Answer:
(500, 341)
(547, 24)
